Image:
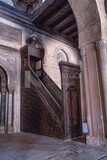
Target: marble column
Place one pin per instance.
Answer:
(93, 96)
(101, 49)
(10, 112)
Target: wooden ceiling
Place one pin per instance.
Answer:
(56, 17)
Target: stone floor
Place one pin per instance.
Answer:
(25, 146)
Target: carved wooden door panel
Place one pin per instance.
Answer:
(73, 110)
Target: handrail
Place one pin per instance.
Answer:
(43, 85)
(56, 92)
(55, 108)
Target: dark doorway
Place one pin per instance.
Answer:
(3, 94)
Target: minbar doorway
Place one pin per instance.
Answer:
(70, 77)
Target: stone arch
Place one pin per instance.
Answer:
(11, 79)
(12, 93)
(88, 20)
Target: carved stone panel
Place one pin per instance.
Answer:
(10, 62)
(11, 34)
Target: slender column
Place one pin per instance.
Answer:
(87, 91)
(83, 103)
(2, 111)
(6, 114)
(93, 95)
(10, 112)
(101, 48)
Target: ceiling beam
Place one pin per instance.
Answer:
(58, 14)
(67, 25)
(52, 11)
(64, 21)
(74, 34)
(69, 29)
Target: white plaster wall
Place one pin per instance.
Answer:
(50, 62)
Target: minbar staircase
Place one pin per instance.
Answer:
(52, 87)
(41, 112)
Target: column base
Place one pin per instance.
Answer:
(2, 130)
(10, 129)
(94, 141)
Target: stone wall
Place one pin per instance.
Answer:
(11, 39)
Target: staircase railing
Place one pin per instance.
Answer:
(52, 87)
(53, 107)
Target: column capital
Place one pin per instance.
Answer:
(101, 45)
(83, 51)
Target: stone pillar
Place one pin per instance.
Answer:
(101, 48)
(93, 96)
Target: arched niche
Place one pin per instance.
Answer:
(61, 55)
(7, 100)
(12, 80)
(11, 92)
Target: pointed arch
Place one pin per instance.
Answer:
(88, 20)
